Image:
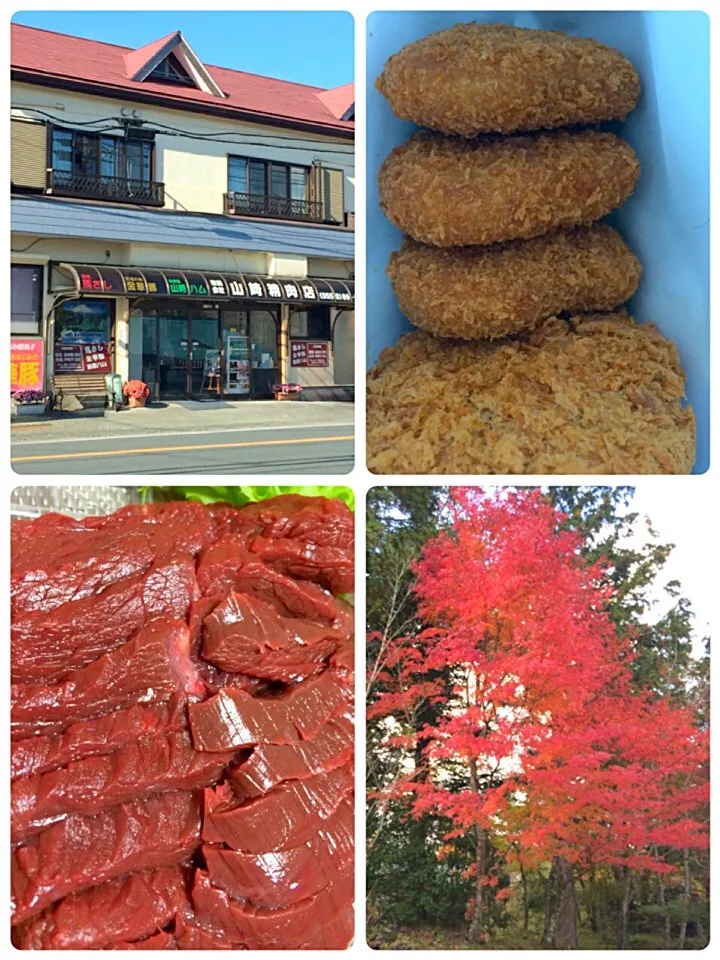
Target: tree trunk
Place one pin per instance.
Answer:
(526, 901)
(686, 899)
(594, 925)
(477, 932)
(666, 915)
(627, 879)
(561, 908)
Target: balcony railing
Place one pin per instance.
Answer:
(260, 205)
(115, 189)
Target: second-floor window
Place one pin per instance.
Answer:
(267, 178)
(78, 154)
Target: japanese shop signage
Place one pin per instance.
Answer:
(82, 358)
(153, 282)
(27, 364)
(309, 353)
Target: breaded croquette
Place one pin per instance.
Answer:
(596, 394)
(452, 192)
(492, 78)
(490, 292)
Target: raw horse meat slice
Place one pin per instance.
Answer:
(81, 558)
(270, 764)
(134, 771)
(191, 936)
(259, 929)
(152, 666)
(331, 567)
(91, 738)
(237, 522)
(246, 635)
(219, 563)
(159, 941)
(47, 645)
(336, 935)
(328, 523)
(276, 879)
(279, 820)
(82, 851)
(233, 719)
(127, 908)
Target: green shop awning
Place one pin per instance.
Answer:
(110, 281)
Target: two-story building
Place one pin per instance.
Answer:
(183, 224)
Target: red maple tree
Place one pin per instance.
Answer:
(567, 761)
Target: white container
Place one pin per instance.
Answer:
(29, 409)
(666, 221)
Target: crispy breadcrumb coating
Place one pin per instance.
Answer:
(492, 78)
(451, 192)
(599, 394)
(490, 292)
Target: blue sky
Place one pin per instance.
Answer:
(307, 47)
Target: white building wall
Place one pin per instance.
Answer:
(194, 171)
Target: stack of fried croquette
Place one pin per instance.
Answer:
(500, 202)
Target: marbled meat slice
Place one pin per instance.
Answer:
(270, 764)
(127, 908)
(96, 737)
(279, 820)
(246, 635)
(233, 719)
(83, 851)
(151, 667)
(276, 879)
(137, 770)
(259, 929)
(45, 646)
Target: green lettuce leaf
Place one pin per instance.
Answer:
(237, 496)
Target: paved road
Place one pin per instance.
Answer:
(315, 449)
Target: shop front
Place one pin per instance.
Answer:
(189, 334)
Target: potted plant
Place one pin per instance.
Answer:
(136, 392)
(287, 391)
(29, 403)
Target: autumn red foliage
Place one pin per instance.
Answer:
(566, 755)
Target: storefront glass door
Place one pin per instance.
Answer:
(205, 372)
(173, 352)
(264, 342)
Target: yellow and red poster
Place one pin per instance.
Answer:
(27, 359)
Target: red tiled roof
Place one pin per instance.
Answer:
(48, 55)
(339, 99)
(135, 59)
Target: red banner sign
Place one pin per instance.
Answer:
(309, 353)
(82, 358)
(26, 364)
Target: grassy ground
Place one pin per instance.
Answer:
(440, 938)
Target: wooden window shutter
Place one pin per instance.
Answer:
(316, 186)
(333, 195)
(28, 154)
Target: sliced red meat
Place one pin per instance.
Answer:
(81, 558)
(259, 929)
(233, 719)
(151, 667)
(327, 522)
(270, 764)
(191, 936)
(126, 908)
(336, 935)
(200, 609)
(218, 566)
(246, 635)
(102, 735)
(235, 521)
(283, 877)
(83, 851)
(331, 567)
(158, 941)
(47, 645)
(137, 770)
(279, 820)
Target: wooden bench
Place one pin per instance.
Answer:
(76, 384)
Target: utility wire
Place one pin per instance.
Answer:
(169, 131)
